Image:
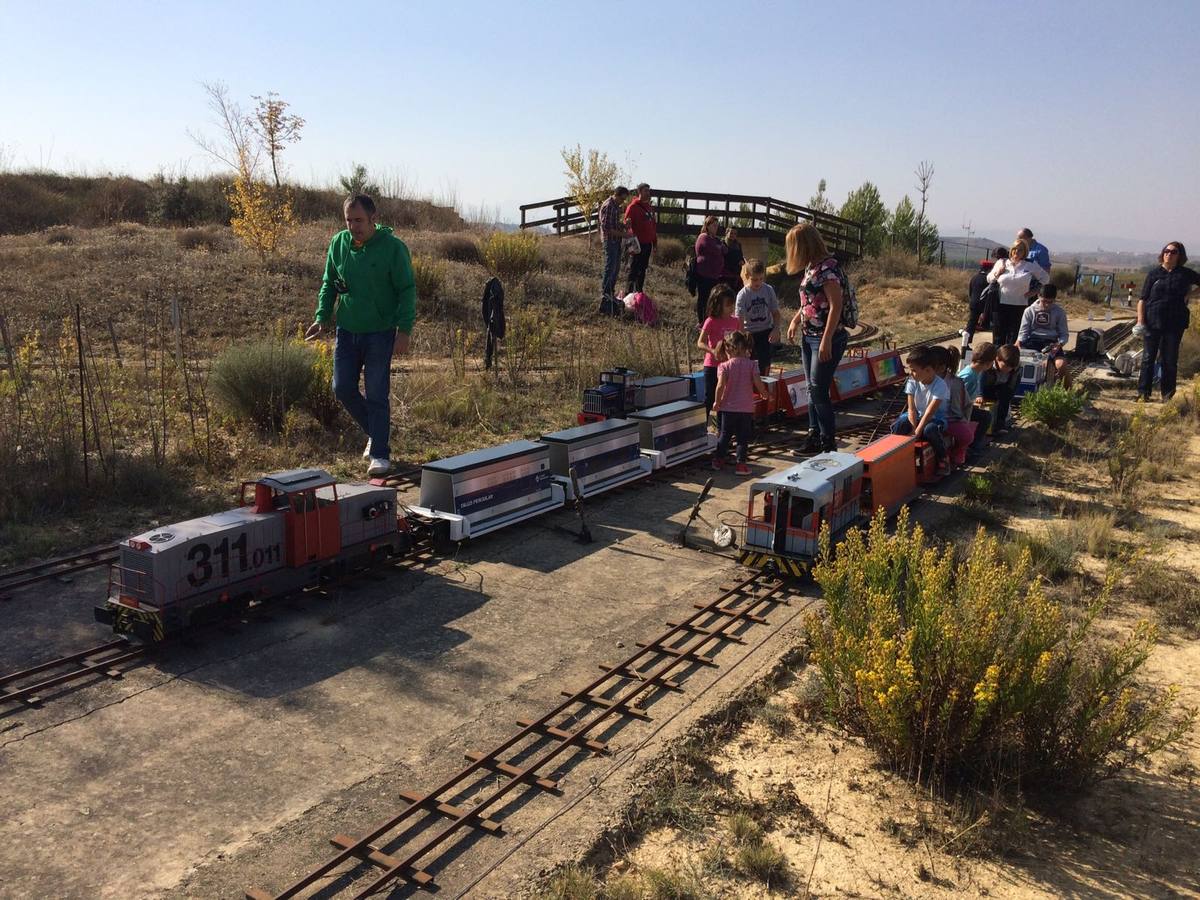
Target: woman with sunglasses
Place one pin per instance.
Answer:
(1162, 318)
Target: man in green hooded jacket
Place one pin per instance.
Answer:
(369, 287)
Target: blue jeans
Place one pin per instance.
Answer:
(368, 354)
(931, 433)
(738, 425)
(612, 266)
(820, 380)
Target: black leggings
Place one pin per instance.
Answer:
(1007, 324)
(1162, 347)
(762, 350)
(637, 269)
(710, 389)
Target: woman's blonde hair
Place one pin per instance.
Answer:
(708, 220)
(805, 246)
(1020, 248)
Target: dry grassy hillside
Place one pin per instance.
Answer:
(167, 446)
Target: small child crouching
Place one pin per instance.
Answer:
(738, 385)
(928, 396)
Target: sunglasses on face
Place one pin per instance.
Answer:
(1170, 251)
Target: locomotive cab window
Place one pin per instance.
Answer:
(801, 508)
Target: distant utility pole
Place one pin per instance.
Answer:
(967, 248)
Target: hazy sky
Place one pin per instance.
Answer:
(1077, 119)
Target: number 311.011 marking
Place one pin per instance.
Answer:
(204, 556)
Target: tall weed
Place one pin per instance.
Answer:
(966, 672)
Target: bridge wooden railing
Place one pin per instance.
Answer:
(683, 211)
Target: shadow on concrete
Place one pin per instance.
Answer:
(393, 629)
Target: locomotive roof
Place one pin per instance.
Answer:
(297, 480)
(813, 477)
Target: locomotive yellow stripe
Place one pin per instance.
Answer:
(783, 564)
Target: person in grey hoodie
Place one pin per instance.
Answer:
(1044, 328)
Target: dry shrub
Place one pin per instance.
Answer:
(572, 882)
(114, 200)
(967, 673)
(512, 255)
(889, 264)
(60, 234)
(1094, 530)
(669, 252)
(914, 304)
(460, 248)
(1145, 451)
(430, 276)
(1062, 277)
(210, 238)
(1172, 592)
(29, 203)
(1189, 351)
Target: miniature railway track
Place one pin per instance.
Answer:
(107, 659)
(402, 846)
(57, 567)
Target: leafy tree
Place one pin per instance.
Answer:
(744, 221)
(819, 202)
(357, 181)
(591, 176)
(903, 230)
(866, 206)
(262, 213)
(275, 127)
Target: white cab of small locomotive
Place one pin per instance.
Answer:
(787, 508)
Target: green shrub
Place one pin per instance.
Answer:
(430, 275)
(262, 381)
(762, 861)
(512, 255)
(979, 487)
(1172, 592)
(669, 252)
(1053, 406)
(966, 672)
(744, 830)
(665, 884)
(461, 248)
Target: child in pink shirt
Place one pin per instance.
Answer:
(720, 324)
(738, 385)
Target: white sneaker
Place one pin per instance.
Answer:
(367, 450)
(379, 467)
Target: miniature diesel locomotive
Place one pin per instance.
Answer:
(296, 527)
(787, 509)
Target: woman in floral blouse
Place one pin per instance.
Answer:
(820, 321)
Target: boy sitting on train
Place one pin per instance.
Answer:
(927, 399)
(959, 425)
(971, 377)
(738, 385)
(1044, 328)
(998, 384)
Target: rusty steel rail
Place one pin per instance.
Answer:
(526, 759)
(18, 687)
(13, 579)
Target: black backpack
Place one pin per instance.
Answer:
(689, 276)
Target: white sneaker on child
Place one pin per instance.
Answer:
(379, 467)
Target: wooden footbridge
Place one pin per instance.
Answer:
(680, 214)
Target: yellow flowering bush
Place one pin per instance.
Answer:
(962, 668)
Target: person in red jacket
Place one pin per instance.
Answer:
(639, 216)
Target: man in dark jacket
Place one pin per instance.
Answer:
(639, 216)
